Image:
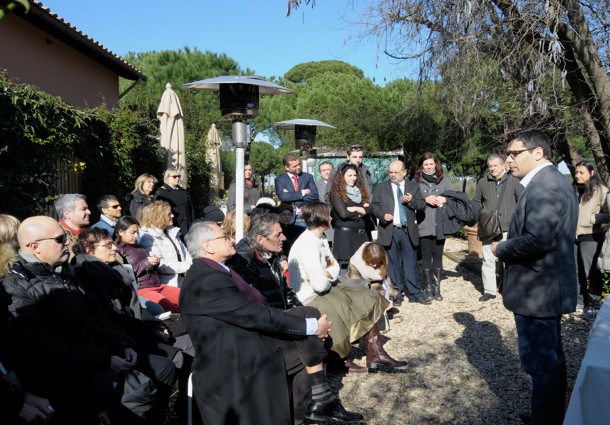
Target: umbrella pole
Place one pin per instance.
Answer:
(240, 141)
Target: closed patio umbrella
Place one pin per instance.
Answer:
(172, 132)
(212, 155)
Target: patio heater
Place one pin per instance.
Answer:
(304, 137)
(238, 103)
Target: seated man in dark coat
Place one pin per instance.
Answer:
(258, 262)
(65, 348)
(239, 375)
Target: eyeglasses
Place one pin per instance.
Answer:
(107, 245)
(513, 154)
(114, 207)
(177, 176)
(225, 236)
(61, 239)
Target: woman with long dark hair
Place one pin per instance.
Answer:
(144, 265)
(432, 183)
(589, 233)
(252, 190)
(350, 205)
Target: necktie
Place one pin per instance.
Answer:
(296, 183)
(401, 208)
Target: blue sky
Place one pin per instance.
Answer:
(255, 33)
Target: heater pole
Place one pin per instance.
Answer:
(240, 141)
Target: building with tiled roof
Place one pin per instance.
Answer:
(42, 49)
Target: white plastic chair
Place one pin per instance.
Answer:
(189, 401)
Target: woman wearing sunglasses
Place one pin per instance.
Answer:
(178, 199)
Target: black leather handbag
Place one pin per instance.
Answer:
(490, 228)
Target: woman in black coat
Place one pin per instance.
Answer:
(143, 193)
(178, 199)
(350, 208)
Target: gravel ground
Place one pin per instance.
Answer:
(463, 363)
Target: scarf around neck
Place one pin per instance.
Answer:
(354, 194)
(430, 178)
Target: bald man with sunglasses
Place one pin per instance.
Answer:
(63, 346)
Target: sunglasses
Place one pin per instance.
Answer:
(114, 207)
(61, 239)
(175, 177)
(356, 148)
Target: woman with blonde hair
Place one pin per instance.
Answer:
(8, 242)
(160, 238)
(229, 223)
(143, 193)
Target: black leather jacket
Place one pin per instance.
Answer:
(263, 275)
(59, 332)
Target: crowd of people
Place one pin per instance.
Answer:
(256, 322)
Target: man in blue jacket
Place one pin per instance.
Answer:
(110, 211)
(540, 277)
(295, 187)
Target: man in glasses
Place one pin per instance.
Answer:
(540, 274)
(74, 215)
(110, 211)
(259, 262)
(325, 168)
(64, 346)
(239, 374)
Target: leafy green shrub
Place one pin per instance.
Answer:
(39, 135)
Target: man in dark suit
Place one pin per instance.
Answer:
(394, 204)
(325, 169)
(540, 276)
(239, 374)
(295, 187)
(323, 184)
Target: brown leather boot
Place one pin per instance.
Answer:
(375, 354)
(353, 367)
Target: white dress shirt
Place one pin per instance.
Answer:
(396, 220)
